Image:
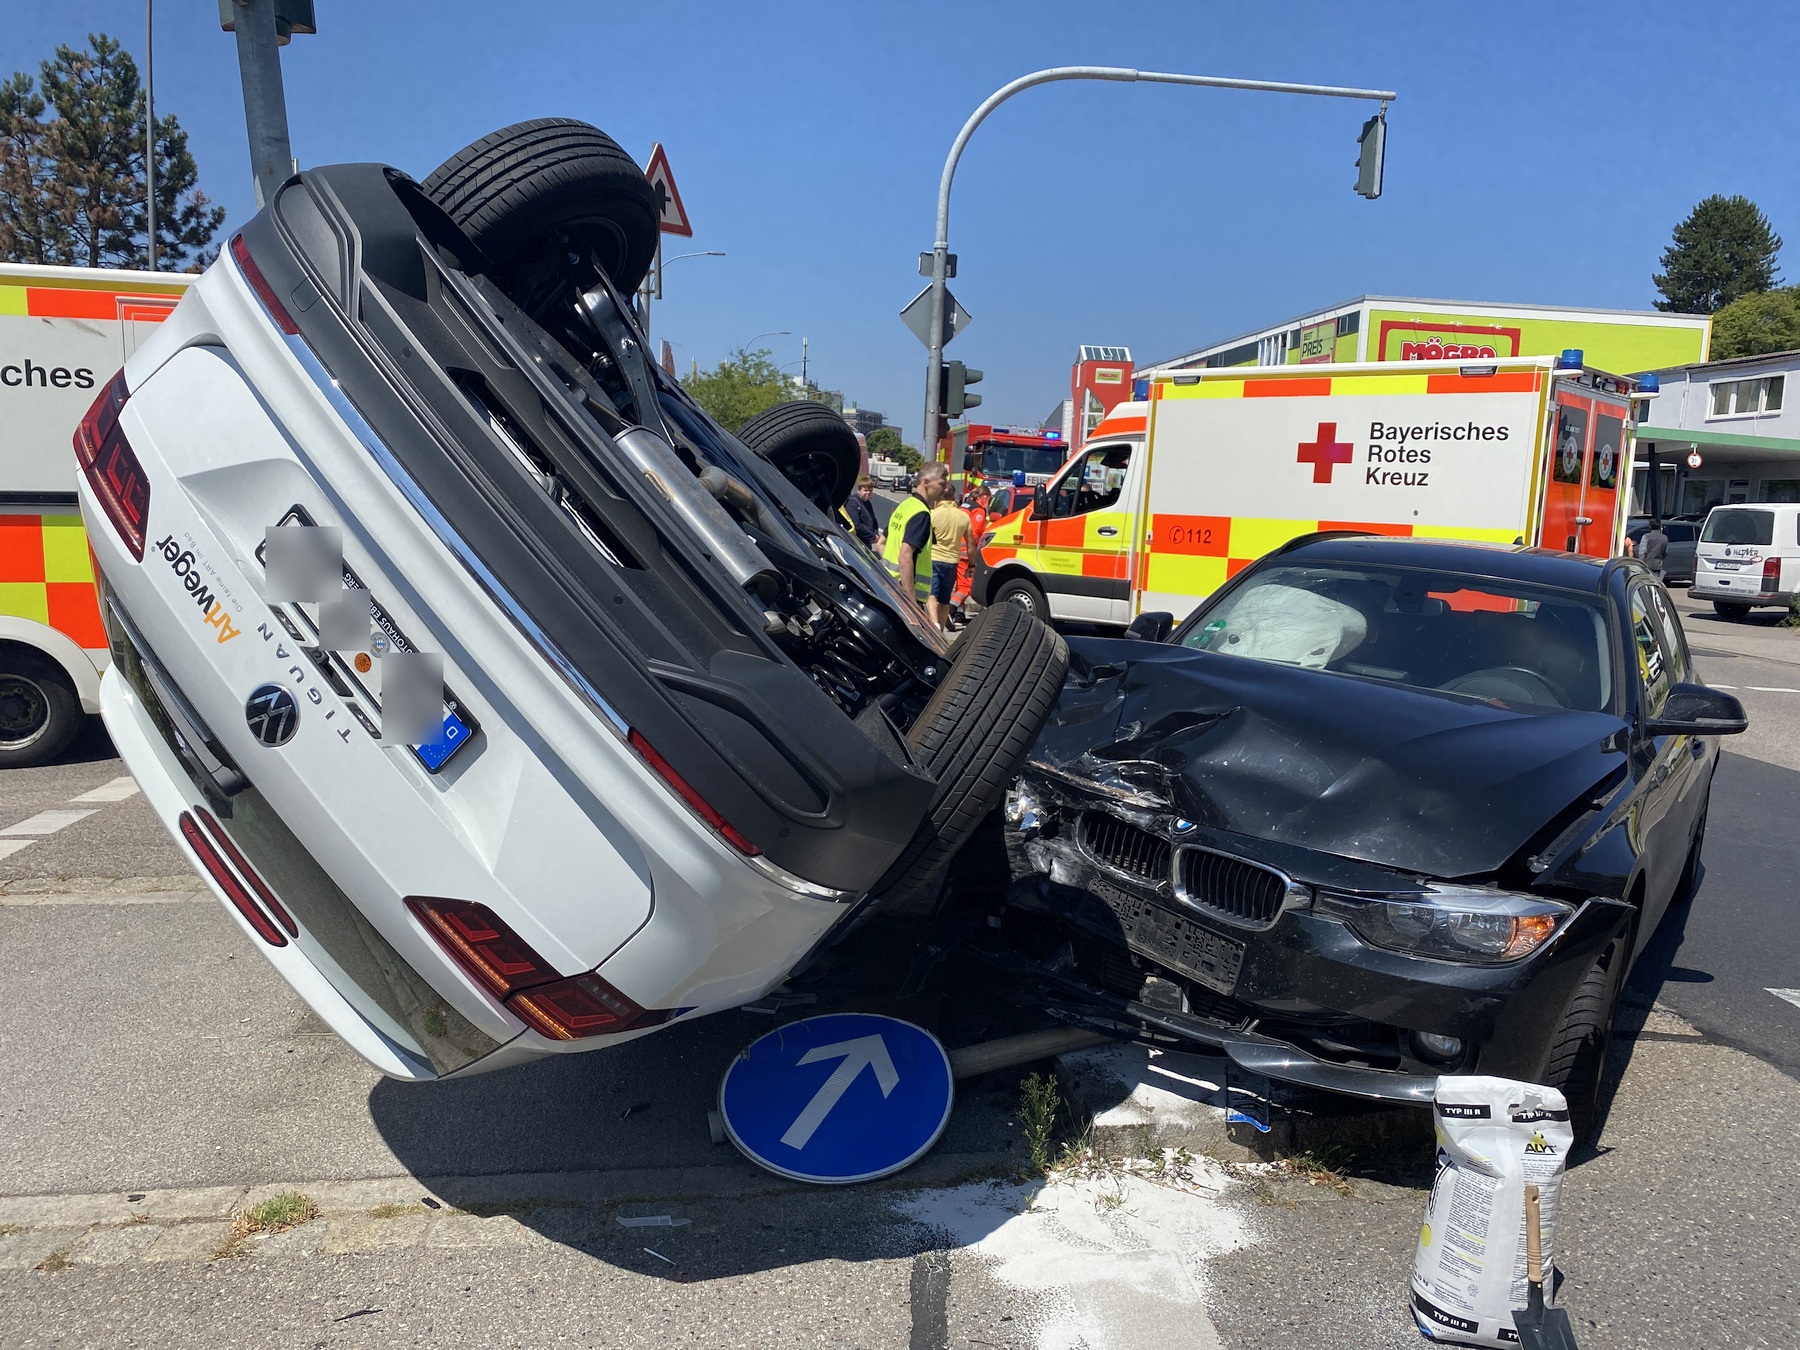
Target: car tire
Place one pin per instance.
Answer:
(1730, 609)
(972, 735)
(547, 184)
(1578, 1051)
(812, 446)
(1690, 870)
(39, 711)
(1023, 593)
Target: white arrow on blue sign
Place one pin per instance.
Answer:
(839, 1098)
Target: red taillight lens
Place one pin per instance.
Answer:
(249, 873)
(562, 1008)
(228, 882)
(1771, 578)
(260, 284)
(112, 468)
(701, 807)
(497, 957)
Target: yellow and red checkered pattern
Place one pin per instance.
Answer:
(47, 575)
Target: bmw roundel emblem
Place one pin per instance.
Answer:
(272, 714)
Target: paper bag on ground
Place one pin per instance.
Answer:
(1493, 1136)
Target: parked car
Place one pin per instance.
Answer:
(1748, 556)
(506, 702)
(1678, 560)
(1380, 809)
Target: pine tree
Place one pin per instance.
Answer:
(72, 187)
(1724, 249)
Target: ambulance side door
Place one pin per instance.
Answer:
(1085, 559)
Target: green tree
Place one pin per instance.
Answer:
(72, 187)
(739, 387)
(884, 441)
(910, 459)
(1768, 321)
(1725, 249)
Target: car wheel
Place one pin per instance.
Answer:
(812, 446)
(544, 189)
(972, 735)
(39, 712)
(1730, 609)
(1690, 870)
(1578, 1050)
(1023, 594)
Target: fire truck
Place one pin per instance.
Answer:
(994, 455)
(64, 332)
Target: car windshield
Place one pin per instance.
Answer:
(1002, 461)
(1475, 637)
(1739, 527)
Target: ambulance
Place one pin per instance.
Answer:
(64, 332)
(1172, 496)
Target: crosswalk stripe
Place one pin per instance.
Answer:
(1791, 995)
(115, 791)
(47, 822)
(8, 847)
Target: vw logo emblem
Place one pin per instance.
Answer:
(272, 714)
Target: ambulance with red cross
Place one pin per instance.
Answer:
(1172, 496)
(64, 332)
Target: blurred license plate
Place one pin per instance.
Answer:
(1173, 940)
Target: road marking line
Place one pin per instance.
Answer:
(1724, 686)
(1767, 689)
(47, 822)
(115, 791)
(1791, 995)
(8, 847)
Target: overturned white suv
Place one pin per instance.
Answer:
(401, 447)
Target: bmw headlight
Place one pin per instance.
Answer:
(1451, 923)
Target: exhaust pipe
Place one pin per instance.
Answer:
(729, 546)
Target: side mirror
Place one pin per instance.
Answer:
(1696, 710)
(1153, 625)
(1040, 502)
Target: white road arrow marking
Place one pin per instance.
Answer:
(1791, 995)
(865, 1052)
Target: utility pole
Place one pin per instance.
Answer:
(150, 126)
(263, 28)
(940, 252)
(803, 385)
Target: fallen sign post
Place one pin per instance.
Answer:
(840, 1098)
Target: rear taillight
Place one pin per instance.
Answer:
(228, 881)
(260, 284)
(683, 789)
(112, 468)
(1771, 578)
(501, 962)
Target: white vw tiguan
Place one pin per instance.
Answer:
(681, 724)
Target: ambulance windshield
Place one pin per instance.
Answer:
(1475, 637)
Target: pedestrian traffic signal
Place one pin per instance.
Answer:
(954, 401)
(1371, 145)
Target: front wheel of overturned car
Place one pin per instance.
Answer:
(1023, 593)
(812, 446)
(1578, 1050)
(973, 735)
(39, 711)
(531, 194)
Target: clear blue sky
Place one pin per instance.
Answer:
(1538, 153)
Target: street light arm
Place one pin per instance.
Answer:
(1121, 74)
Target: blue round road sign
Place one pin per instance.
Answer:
(840, 1098)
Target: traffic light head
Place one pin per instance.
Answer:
(956, 398)
(1371, 147)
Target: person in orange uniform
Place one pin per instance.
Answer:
(975, 505)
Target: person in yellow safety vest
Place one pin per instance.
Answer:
(908, 551)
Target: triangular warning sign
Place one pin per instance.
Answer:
(668, 196)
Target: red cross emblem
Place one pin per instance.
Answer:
(1324, 452)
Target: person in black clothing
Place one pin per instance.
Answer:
(859, 509)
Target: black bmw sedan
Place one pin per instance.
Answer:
(1379, 809)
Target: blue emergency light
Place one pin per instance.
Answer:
(1571, 359)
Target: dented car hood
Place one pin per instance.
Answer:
(1427, 783)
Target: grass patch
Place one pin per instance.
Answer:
(395, 1211)
(1320, 1167)
(278, 1213)
(1042, 1113)
(57, 1260)
(8, 1229)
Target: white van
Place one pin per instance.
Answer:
(1747, 556)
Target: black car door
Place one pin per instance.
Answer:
(1665, 763)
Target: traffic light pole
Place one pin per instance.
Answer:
(940, 249)
(265, 104)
